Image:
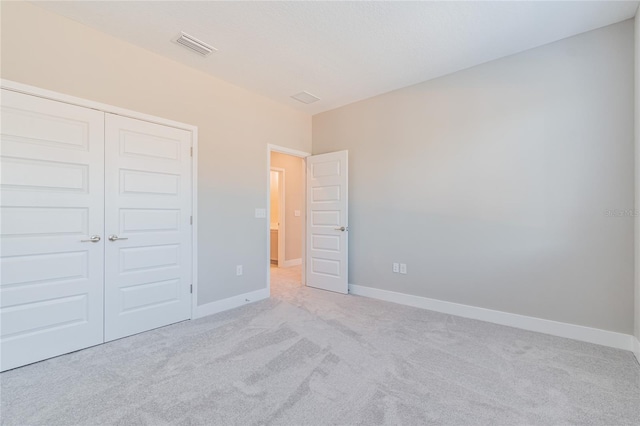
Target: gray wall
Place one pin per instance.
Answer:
(234, 126)
(637, 121)
(493, 183)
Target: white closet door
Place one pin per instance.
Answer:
(147, 225)
(52, 202)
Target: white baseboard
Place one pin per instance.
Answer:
(290, 263)
(555, 328)
(230, 303)
(636, 348)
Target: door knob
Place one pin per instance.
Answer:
(116, 238)
(92, 239)
(342, 228)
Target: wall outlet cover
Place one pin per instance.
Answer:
(296, 213)
(261, 213)
(396, 267)
(403, 268)
(238, 270)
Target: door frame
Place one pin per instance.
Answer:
(295, 153)
(72, 100)
(281, 216)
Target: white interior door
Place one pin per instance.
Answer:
(327, 221)
(147, 226)
(52, 202)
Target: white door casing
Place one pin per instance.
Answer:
(52, 202)
(148, 208)
(327, 221)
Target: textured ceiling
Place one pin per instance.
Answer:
(341, 51)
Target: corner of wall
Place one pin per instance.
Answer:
(637, 182)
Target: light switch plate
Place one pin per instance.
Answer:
(296, 213)
(261, 213)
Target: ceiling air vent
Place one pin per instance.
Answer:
(194, 44)
(305, 98)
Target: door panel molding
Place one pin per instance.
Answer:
(52, 199)
(328, 221)
(26, 89)
(137, 298)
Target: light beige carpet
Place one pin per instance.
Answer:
(310, 357)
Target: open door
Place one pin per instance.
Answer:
(327, 221)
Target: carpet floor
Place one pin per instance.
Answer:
(309, 357)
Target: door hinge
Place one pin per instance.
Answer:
(191, 220)
(191, 289)
(191, 151)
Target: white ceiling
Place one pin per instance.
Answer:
(341, 51)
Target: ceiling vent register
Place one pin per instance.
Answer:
(305, 98)
(195, 45)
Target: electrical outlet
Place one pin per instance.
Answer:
(238, 270)
(296, 213)
(396, 268)
(260, 213)
(403, 268)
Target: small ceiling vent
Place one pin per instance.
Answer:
(194, 44)
(305, 98)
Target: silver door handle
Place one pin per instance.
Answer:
(116, 238)
(342, 228)
(92, 239)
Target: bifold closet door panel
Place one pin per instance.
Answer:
(147, 223)
(52, 204)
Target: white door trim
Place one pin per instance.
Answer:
(282, 230)
(61, 97)
(301, 154)
(288, 151)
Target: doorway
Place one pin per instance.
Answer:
(286, 248)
